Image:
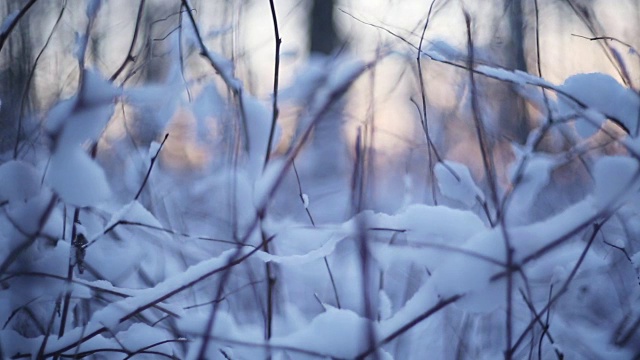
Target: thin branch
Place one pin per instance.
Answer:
(25, 92)
(47, 334)
(225, 296)
(224, 68)
(71, 265)
(424, 117)
(144, 350)
(153, 161)
(226, 273)
(588, 19)
(611, 38)
(13, 255)
(165, 230)
(276, 75)
(357, 200)
(93, 287)
(11, 26)
(563, 289)
(406, 327)
(313, 223)
(544, 325)
(234, 261)
(130, 58)
(529, 80)
(485, 147)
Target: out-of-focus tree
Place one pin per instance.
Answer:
(328, 139)
(15, 63)
(513, 117)
(322, 29)
(508, 44)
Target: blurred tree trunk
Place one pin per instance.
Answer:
(155, 54)
(515, 12)
(327, 143)
(322, 33)
(15, 62)
(512, 117)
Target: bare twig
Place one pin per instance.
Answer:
(406, 327)
(9, 29)
(529, 80)
(130, 57)
(357, 200)
(565, 286)
(67, 295)
(424, 117)
(313, 223)
(611, 38)
(224, 69)
(483, 141)
(276, 75)
(25, 92)
(165, 230)
(544, 325)
(589, 20)
(234, 261)
(13, 255)
(153, 161)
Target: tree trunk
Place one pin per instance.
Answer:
(15, 62)
(327, 144)
(322, 32)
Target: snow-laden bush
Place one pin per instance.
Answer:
(122, 260)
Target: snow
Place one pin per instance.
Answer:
(619, 102)
(76, 178)
(534, 171)
(614, 177)
(111, 316)
(464, 274)
(133, 212)
(158, 101)
(339, 75)
(96, 90)
(334, 333)
(154, 265)
(266, 181)
(225, 68)
(345, 73)
(20, 181)
(515, 77)
(154, 147)
(310, 256)
(258, 125)
(208, 104)
(385, 309)
(306, 82)
(455, 182)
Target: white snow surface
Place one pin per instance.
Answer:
(455, 182)
(602, 93)
(77, 178)
(615, 176)
(114, 313)
(20, 181)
